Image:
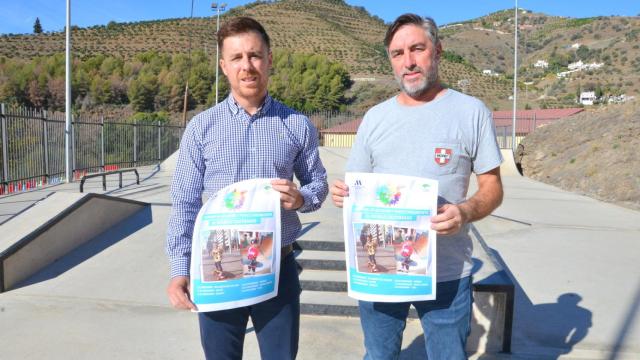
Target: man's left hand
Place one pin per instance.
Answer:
(449, 220)
(290, 196)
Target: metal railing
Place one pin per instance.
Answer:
(32, 146)
(104, 178)
(338, 129)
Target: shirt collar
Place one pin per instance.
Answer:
(235, 108)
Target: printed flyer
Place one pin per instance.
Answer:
(235, 258)
(390, 247)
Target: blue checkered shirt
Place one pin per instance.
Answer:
(224, 145)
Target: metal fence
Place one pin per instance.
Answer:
(32, 146)
(524, 127)
(338, 129)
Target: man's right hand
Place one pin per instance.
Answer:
(178, 292)
(339, 190)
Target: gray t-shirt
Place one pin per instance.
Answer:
(445, 139)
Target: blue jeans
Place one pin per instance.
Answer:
(445, 321)
(276, 322)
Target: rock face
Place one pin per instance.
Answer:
(596, 153)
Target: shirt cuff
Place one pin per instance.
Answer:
(180, 267)
(311, 201)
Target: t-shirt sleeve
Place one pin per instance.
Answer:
(487, 155)
(360, 155)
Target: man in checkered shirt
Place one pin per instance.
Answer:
(248, 135)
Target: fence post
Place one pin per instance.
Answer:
(534, 121)
(102, 142)
(504, 137)
(5, 154)
(159, 142)
(135, 143)
(73, 147)
(45, 144)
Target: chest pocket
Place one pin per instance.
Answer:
(442, 158)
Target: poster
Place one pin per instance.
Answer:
(390, 247)
(235, 254)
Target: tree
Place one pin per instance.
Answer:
(583, 53)
(142, 91)
(37, 28)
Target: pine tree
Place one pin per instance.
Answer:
(37, 28)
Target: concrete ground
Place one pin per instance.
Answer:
(572, 258)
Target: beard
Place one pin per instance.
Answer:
(429, 79)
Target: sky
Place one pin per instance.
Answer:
(18, 16)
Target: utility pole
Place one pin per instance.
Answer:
(217, 8)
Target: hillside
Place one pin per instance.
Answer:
(341, 32)
(594, 153)
(487, 42)
(332, 28)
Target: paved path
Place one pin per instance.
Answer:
(574, 260)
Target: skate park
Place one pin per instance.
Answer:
(100, 293)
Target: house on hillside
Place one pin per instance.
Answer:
(576, 65)
(588, 97)
(619, 99)
(541, 64)
(489, 72)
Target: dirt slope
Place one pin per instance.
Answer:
(596, 153)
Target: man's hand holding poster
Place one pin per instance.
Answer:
(390, 247)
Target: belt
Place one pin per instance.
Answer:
(286, 250)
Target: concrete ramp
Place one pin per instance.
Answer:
(53, 227)
(508, 167)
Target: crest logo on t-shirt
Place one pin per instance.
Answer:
(442, 156)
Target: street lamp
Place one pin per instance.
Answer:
(68, 157)
(217, 8)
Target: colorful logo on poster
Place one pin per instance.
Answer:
(388, 194)
(234, 199)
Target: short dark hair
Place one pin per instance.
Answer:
(427, 23)
(242, 25)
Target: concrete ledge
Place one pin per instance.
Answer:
(324, 284)
(54, 227)
(493, 294)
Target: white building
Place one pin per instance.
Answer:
(576, 65)
(593, 66)
(619, 99)
(489, 72)
(541, 64)
(587, 97)
(579, 65)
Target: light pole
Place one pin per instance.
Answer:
(67, 106)
(515, 82)
(218, 8)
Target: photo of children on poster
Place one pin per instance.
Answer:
(387, 249)
(232, 254)
(391, 252)
(237, 237)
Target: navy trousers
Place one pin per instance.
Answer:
(276, 322)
